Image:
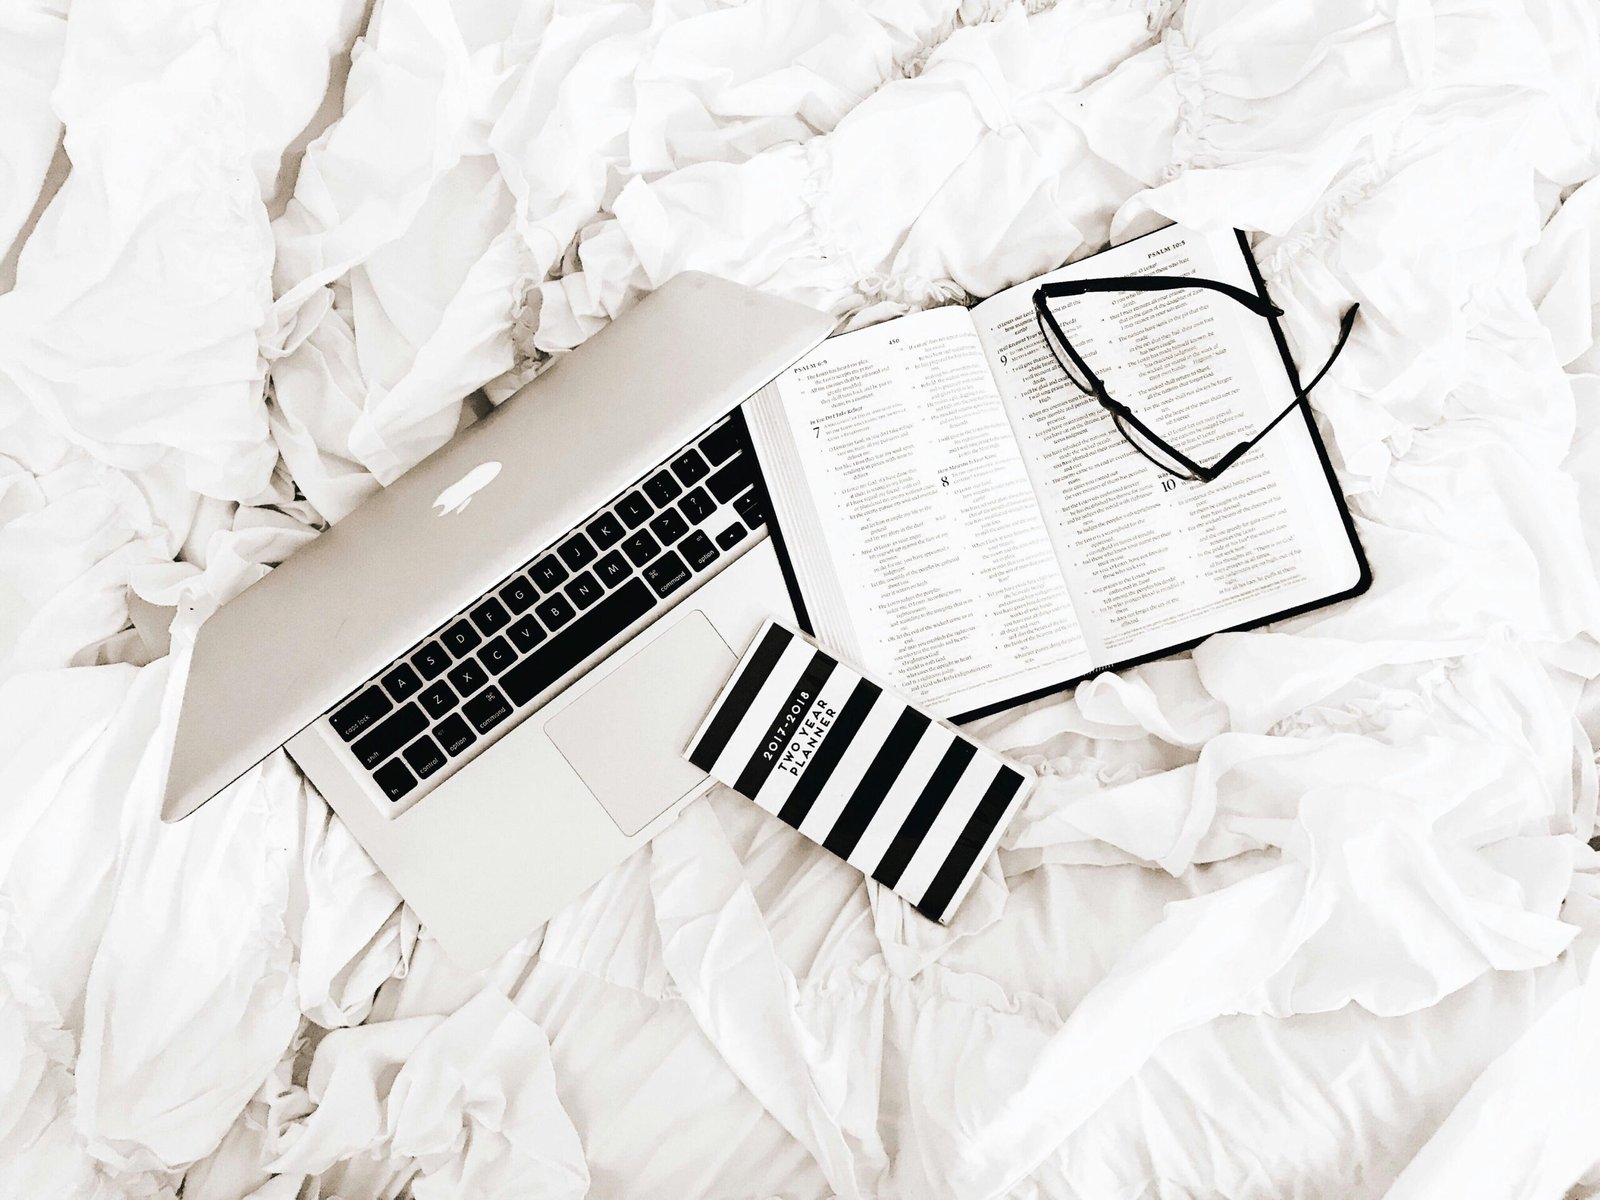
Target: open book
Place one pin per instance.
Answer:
(956, 517)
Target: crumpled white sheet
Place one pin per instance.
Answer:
(32, 35)
(1308, 912)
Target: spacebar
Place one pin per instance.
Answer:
(577, 641)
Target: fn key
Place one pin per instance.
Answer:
(394, 779)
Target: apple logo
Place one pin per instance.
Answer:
(460, 493)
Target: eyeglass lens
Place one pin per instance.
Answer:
(1156, 454)
(1064, 358)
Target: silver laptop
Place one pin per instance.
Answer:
(490, 670)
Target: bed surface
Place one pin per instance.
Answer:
(1308, 912)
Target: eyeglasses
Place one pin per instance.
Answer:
(1168, 347)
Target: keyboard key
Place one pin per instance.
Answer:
(548, 572)
(519, 594)
(487, 709)
(669, 526)
(731, 536)
(454, 734)
(641, 548)
(576, 552)
(605, 530)
(634, 510)
(437, 700)
(722, 443)
(697, 548)
(587, 634)
(401, 682)
(461, 638)
(613, 569)
(526, 634)
(490, 616)
(389, 735)
(468, 676)
(395, 780)
(689, 466)
(732, 479)
(424, 756)
(752, 508)
(667, 574)
(431, 660)
(496, 655)
(662, 488)
(584, 589)
(556, 612)
(697, 506)
(360, 712)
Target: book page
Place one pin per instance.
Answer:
(909, 517)
(1154, 561)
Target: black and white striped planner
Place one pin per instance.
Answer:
(907, 799)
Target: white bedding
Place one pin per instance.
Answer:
(1307, 913)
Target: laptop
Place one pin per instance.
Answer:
(491, 669)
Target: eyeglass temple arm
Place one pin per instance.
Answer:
(1156, 283)
(1346, 323)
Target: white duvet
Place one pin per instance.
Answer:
(1307, 913)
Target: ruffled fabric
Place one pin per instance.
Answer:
(470, 156)
(164, 215)
(32, 35)
(834, 221)
(436, 1106)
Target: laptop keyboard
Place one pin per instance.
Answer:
(506, 650)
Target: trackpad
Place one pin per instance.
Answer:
(626, 736)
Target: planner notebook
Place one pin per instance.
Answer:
(909, 800)
(957, 518)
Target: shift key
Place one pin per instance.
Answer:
(389, 735)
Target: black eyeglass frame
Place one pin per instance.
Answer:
(1053, 334)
